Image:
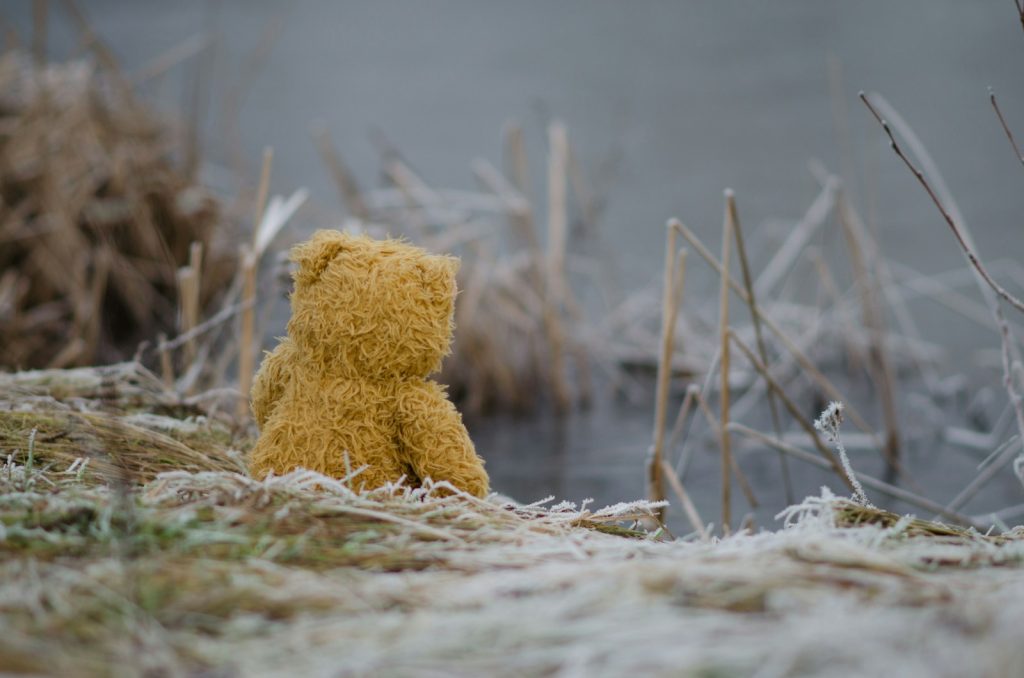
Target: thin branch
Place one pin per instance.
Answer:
(968, 252)
(1006, 128)
(1009, 353)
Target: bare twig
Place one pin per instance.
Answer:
(1002, 121)
(1009, 357)
(964, 245)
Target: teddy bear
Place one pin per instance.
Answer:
(347, 387)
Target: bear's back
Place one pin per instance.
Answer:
(319, 420)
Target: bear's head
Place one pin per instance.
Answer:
(370, 308)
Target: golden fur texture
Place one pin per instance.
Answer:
(371, 319)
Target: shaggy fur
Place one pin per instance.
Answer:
(371, 319)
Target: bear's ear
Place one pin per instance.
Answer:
(438, 270)
(314, 255)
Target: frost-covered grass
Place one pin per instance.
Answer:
(299, 575)
(130, 545)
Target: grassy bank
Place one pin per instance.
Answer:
(152, 552)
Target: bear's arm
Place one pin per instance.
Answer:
(434, 441)
(271, 380)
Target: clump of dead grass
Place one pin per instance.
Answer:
(104, 233)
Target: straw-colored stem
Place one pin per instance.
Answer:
(741, 250)
(166, 368)
(187, 313)
(723, 366)
(557, 235)
(249, 258)
(191, 307)
(669, 308)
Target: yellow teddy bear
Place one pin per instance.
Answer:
(348, 387)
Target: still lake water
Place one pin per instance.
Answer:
(691, 97)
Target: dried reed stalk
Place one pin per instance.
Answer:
(741, 250)
(555, 263)
(723, 364)
(671, 297)
(249, 257)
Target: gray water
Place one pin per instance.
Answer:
(690, 97)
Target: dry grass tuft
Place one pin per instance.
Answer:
(96, 218)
